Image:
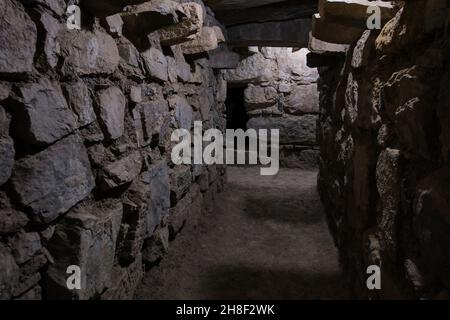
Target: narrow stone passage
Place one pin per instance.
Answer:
(266, 239)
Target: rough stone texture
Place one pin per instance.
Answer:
(183, 112)
(290, 33)
(11, 220)
(280, 91)
(186, 29)
(85, 237)
(120, 172)
(293, 130)
(304, 99)
(80, 102)
(86, 118)
(207, 40)
(6, 148)
(9, 276)
(49, 183)
(18, 39)
(260, 97)
(111, 110)
(159, 183)
(86, 53)
(155, 64)
(45, 110)
(384, 157)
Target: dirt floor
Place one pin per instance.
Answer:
(266, 239)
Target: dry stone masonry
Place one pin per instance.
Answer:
(281, 93)
(85, 122)
(384, 138)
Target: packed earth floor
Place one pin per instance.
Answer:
(267, 238)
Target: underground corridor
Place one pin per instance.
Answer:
(98, 99)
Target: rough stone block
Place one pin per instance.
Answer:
(256, 97)
(157, 177)
(9, 275)
(206, 41)
(111, 110)
(155, 64)
(187, 29)
(86, 237)
(87, 53)
(45, 112)
(303, 99)
(49, 183)
(18, 36)
(80, 102)
(121, 172)
(293, 130)
(183, 111)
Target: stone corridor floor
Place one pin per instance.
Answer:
(266, 239)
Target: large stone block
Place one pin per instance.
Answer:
(256, 97)
(18, 36)
(155, 64)
(354, 11)
(207, 40)
(342, 34)
(9, 273)
(154, 116)
(290, 33)
(86, 237)
(183, 111)
(157, 177)
(121, 172)
(111, 110)
(51, 47)
(180, 181)
(49, 183)
(87, 53)
(24, 246)
(223, 58)
(186, 29)
(293, 130)
(10, 220)
(7, 151)
(254, 69)
(303, 99)
(80, 102)
(45, 113)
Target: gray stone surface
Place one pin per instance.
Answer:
(45, 111)
(6, 148)
(120, 172)
(87, 53)
(111, 110)
(157, 177)
(303, 99)
(80, 102)
(49, 183)
(9, 275)
(183, 112)
(86, 237)
(293, 130)
(155, 64)
(18, 39)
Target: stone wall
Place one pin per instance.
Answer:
(86, 117)
(384, 168)
(281, 92)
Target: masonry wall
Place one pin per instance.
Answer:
(384, 169)
(86, 116)
(281, 93)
